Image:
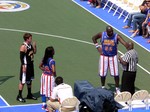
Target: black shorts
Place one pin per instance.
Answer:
(29, 72)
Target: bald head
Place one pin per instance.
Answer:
(108, 28)
(109, 31)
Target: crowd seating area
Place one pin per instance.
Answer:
(122, 7)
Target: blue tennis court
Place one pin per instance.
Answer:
(22, 108)
(5, 107)
(3, 102)
(134, 110)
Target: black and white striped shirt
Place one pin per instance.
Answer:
(131, 58)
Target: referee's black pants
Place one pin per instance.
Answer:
(127, 82)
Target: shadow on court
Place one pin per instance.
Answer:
(112, 87)
(4, 79)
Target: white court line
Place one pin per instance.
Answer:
(67, 38)
(24, 105)
(4, 101)
(110, 25)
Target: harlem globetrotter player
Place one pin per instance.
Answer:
(108, 54)
(48, 68)
(27, 51)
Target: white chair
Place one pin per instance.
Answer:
(140, 95)
(106, 4)
(138, 98)
(123, 3)
(122, 7)
(147, 102)
(69, 105)
(132, 7)
(128, 7)
(148, 99)
(115, 4)
(123, 98)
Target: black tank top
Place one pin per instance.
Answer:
(29, 55)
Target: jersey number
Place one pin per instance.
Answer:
(108, 48)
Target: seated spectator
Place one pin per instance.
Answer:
(91, 2)
(137, 17)
(143, 24)
(61, 92)
(98, 4)
(148, 41)
(135, 33)
(95, 3)
(146, 25)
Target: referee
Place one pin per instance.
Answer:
(129, 65)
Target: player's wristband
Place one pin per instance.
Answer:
(97, 46)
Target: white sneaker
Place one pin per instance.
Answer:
(88, 2)
(118, 91)
(133, 35)
(103, 87)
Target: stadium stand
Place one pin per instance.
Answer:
(122, 7)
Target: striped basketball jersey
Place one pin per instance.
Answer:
(47, 78)
(28, 61)
(48, 66)
(109, 44)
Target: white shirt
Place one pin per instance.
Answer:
(61, 92)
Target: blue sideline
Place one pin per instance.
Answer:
(5, 107)
(134, 110)
(22, 108)
(3, 102)
(116, 23)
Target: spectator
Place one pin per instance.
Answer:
(95, 3)
(47, 65)
(27, 51)
(137, 17)
(129, 61)
(108, 54)
(61, 92)
(98, 4)
(147, 24)
(92, 2)
(142, 24)
(148, 41)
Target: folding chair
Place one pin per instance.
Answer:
(147, 100)
(107, 4)
(133, 7)
(140, 95)
(122, 6)
(123, 3)
(138, 98)
(69, 105)
(127, 7)
(115, 4)
(123, 98)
